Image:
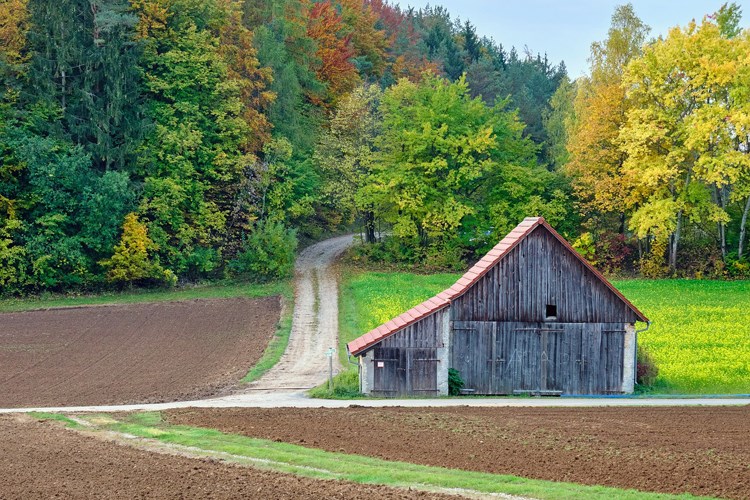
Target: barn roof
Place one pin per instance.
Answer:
(444, 298)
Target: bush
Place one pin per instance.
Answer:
(647, 371)
(409, 254)
(267, 253)
(131, 263)
(737, 268)
(455, 382)
(345, 386)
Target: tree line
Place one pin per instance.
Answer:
(151, 141)
(656, 144)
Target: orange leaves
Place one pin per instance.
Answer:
(335, 49)
(368, 41)
(242, 66)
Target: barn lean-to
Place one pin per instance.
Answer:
(531, 316)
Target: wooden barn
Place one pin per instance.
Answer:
(532, 316)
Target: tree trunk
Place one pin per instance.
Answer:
(63, 103)
(369, 226)
(640, 250)
(743, 228)
(674, 244)
(720, 199)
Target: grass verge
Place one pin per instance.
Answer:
(212, 291)
(277, 345)
(699, 337)
(345, 386)
(58, 417)
(314, 463)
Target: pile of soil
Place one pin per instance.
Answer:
(43, 460)
(134, 353)
(699, 450)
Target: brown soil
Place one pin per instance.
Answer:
(43, 460)
(134, 353)
(704, 451)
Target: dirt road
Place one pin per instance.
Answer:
(315, 324)
(304, 365)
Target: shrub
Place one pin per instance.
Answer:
(455, 382)
(345, 386)
(647, 371)
(737, 268)
(130, 264)
(267, 253)
(653, 265)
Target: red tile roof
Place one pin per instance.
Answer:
(443, 299)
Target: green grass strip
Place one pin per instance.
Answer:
(316, 463)
(276, 346)
(213, 291)
(58, 417)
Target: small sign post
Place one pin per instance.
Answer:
(329, 354)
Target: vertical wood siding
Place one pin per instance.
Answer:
(574, 358)
(538, 272)
(409, 359)
(501, 338)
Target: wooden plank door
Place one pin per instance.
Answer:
(523, 371)
(390, 371)
(471, 354)
(421, 371)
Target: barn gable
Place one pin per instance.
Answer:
(496, 287)
(542, 278)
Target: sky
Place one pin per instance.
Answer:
(565, 29)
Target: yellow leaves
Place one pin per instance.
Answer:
(154, 15)
(13, 26)
(680, 136)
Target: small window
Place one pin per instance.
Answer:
(551, 312)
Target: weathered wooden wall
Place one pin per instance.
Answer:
(501, 339)
(409, 360)
(573, 358)
(537, 272)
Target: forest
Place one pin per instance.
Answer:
(151, 142)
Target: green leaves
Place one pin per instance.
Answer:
(442, 158)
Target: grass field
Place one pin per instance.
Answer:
(699, 337)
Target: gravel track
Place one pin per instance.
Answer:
(315, 323)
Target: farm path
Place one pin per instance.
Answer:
(315, 322)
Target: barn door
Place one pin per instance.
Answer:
(589, 359)
(422, 371)
(527, 359)
(390, 371)
(517, 351)
(472, 355)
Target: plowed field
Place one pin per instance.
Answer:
(134, 353)
(704, 451)
(43, 460)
